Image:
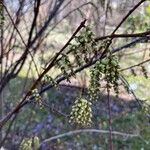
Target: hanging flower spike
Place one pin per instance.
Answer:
(37, 97)
(30, 144)
(81, 113)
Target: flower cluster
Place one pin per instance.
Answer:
(111, 72)
(83, 47)
(81, 113)
(96, 74)
(106, 69)
(64, 64)
(49, 79)
(133, 72)
(30, 143)
(144, 71)
(2, 18)
(37, 97)
(81, 51)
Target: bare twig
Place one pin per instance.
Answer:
(136, 65)
(142, 34)
(70, 133)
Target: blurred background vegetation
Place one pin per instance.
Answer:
(103, 16)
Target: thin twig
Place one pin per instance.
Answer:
(70, 133)
(136, 65)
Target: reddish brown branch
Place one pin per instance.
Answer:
(110, 119)
(22, 102)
